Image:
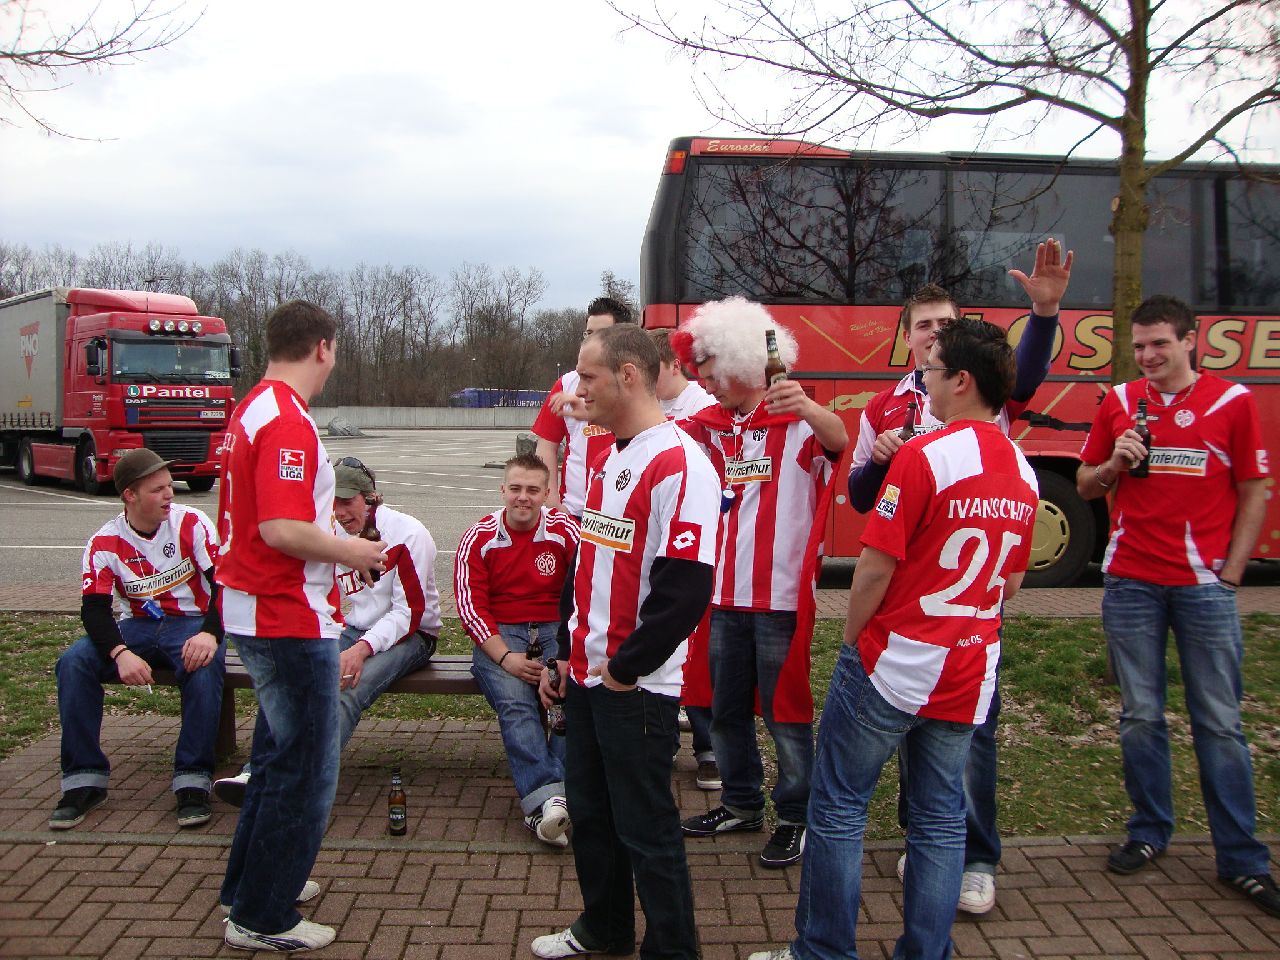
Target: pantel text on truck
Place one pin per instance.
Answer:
(88, 375)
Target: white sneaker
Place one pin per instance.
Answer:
(309, 891)
(782, 953)
(556, 945)
(551, 823)
(304, 936)
(977, 892)
(902, 867)
(231, 790)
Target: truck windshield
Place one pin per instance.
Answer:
(169, 361)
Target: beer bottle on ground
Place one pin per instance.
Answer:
(397, 806)
(1143, 467)
(774, 369)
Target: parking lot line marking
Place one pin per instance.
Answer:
(51, 493)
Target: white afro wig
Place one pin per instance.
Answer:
(732, 331)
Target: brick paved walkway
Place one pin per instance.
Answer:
(469, 882)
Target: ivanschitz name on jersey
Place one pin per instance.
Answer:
(987, 508)
(613, 533)
(158, 583)
(748, 471)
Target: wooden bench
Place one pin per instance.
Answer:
(443, 673)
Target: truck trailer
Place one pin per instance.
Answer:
(88, 375)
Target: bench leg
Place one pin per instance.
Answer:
(226, 742)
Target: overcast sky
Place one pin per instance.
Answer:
(393, 131)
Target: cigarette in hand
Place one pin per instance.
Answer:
(348, 676)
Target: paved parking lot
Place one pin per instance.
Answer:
(438, 476)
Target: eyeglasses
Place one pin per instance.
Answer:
(355, 465)
(936, 366)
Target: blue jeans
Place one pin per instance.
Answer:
(982, 839)
(81, 672)
(858, 735)
(626, 823)
(700, 727)
(747, 652)
(379, 672)
(1136, 617)
(536, 761)
(295, 775)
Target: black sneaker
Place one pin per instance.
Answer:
(719, 820)
(193, 807)
(784, 847)
(75, 803)
(1132, 857)
(1259, 888)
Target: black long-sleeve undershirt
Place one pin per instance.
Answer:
(679, 592)
(104, 631)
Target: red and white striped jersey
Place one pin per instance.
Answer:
(888, 411)
(168, 568)
(957, 511)
(657, 497)
(274, 467)
(1173, 527)
(777, 474)
(512, 576)
(586, 443)
(405, 598)
(692, 398)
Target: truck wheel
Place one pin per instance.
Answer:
(200, 484)
(1064, 534)
(26, 464)
(87, 469)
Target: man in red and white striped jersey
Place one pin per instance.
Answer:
(156, 559)
(280, 607)
(560, 421)
(776, 450)
(641, 583)
(947, 542)
(392, 626)
(508, 576)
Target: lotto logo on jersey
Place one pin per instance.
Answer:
(748, 471)
(612, 533)
(888, 504)
(1179, 462)
(88, 583)
(685, 540)
(1262, 462)
(293, 465)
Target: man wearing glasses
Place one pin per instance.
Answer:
(947, 543)
(392, 626)
(879, 438)
(561, 422)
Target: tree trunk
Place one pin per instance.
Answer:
(1129, 218)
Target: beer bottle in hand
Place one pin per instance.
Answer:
(534, 650)
(1143, 467)
(555, 713)
(370, 532)
(774, 368)
(397, 806)
(909, 428)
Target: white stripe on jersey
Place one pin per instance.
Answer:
(954, 458)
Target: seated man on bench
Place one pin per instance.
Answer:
(392, 626)
(156, 558)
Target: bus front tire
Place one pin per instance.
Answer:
(1065, 534)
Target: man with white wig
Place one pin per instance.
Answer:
(775, 449)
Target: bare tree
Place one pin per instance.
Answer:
(39, 51)
(874, 65)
